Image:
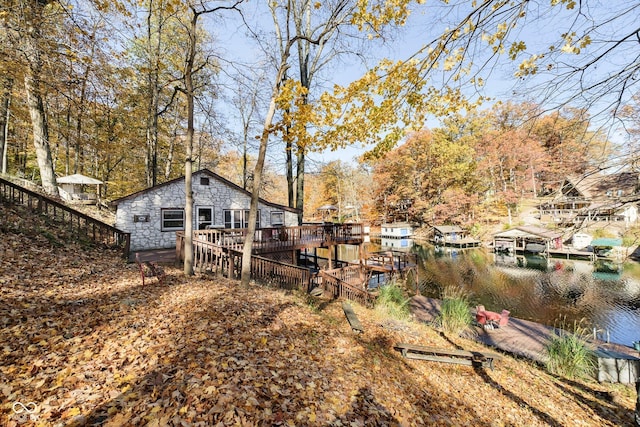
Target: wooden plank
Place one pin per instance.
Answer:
(356, 326)
(443, 359)
(461, 357)
(412, 348)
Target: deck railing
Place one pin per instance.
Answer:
(219, 259)
(274, 239)
(285, 276)
(337, 283)
(77, 222)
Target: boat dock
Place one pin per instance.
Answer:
(523, 338)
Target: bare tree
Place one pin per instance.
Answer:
(191, 68)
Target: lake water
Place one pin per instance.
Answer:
(604, 296)
(601, 296)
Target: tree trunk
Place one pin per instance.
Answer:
(290, 180)
(188, 164)
(151, 159)
(300, 183)
(35, 104)
(5, 103)
(245, 277)
(40, 131)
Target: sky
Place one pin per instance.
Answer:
(539, 33)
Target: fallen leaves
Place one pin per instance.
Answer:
(91, 346)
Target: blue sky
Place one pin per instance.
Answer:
(539, 33)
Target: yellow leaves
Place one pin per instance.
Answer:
(572, 44)
(516, 48)
(71, 412)
(569, 4)
(150, 366)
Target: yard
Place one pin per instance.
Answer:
(89, 345)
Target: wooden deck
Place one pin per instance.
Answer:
(282, 239)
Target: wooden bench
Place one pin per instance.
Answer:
(150, 269)
(355, 324)
(461, 357)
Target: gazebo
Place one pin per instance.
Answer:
(72, 189)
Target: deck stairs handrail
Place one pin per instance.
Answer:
(347, 282)
(217, 258)
(78, 223)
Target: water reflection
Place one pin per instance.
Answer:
(604, 295)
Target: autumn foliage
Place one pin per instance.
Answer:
(89, 345)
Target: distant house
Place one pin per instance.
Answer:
(153, 215)
(396, 230)
(594, 197)
(453, 235)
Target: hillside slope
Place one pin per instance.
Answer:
(84, 341)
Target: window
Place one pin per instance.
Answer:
(204, 217)
(172, 219)
(277, 219)
(204, 180)
(238, 218)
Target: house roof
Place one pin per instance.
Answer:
(448, 229)
(211, 175)
(78, 179)
(596, 185)
(528, 230)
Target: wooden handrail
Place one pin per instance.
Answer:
(80, 223)
(339, 287)
(215, 257)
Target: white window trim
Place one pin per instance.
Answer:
(281, 215)
(244, 218)
(197, 211)
(164, 211)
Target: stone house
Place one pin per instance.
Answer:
(153, 215)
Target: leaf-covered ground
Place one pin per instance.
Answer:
(82, 339)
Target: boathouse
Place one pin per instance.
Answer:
(396, 230)
(453, 235)
(527, 239)
(154, 215)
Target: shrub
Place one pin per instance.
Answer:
(568, 353)
(393, 301)
(455, 315)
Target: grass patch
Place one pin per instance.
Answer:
(455, 315)
(393, 302)
(569, 354)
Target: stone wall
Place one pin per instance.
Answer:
(146, 231)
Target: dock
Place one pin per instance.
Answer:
(523, 338)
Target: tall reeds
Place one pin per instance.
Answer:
(455, 315)
(393, 301)
(568, 352)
